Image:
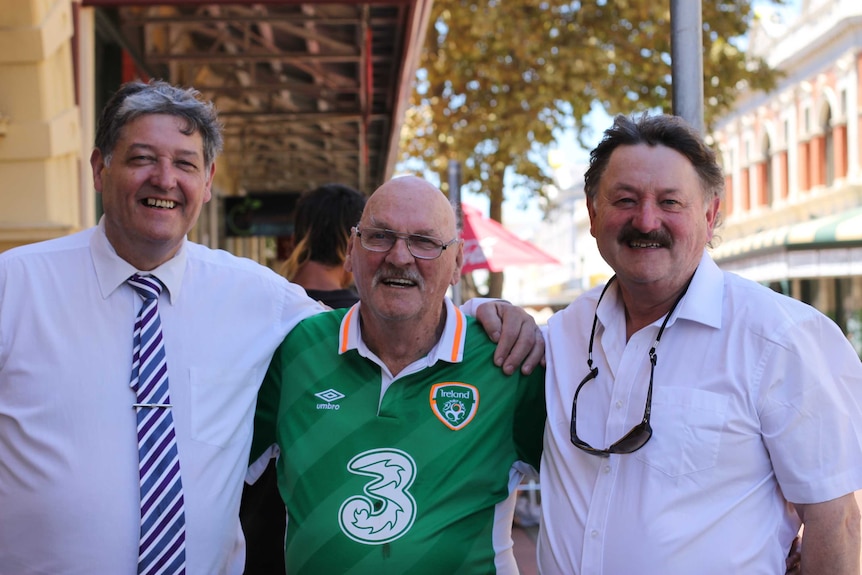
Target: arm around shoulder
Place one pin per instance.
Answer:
(518, 339)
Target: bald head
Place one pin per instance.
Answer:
(422, 203)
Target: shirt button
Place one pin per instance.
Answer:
(594, 533)
(607, 469)
(619, 405)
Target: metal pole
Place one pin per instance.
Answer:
(454, 179)
(687, 60)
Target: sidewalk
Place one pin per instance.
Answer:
(525, 548)
(525, 528)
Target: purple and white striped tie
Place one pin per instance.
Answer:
(162, 547)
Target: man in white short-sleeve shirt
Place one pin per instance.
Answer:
(695, 419)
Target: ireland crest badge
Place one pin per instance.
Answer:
(454, 404)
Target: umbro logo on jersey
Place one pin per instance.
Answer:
(454, 404)
(329, 396)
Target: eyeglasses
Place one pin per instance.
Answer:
(640, 434)
(382, 240)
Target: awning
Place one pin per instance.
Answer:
(488, 245)
(837, 229)
(822, 247)
(309, 92)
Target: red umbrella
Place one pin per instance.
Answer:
(490, 246)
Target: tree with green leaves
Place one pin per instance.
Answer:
(499, 79)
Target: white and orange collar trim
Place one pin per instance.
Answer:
(450, 347)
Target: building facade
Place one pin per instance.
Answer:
(793, 163)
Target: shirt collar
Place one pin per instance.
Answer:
(449, 348)
(701, 303)
(112, 271)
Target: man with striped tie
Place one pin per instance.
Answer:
(130, 360)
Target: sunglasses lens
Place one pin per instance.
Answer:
(634, 439)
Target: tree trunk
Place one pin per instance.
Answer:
(495, 284)
(495, 211)
(468, 287)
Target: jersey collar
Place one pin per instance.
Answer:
(449, 348)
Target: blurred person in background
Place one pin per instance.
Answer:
(324, 217)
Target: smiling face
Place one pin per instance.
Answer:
(650, 218)
(393, 285)
(153, 188)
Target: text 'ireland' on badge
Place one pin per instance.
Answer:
(454, 404)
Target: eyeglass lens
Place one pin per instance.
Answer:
(382, 240)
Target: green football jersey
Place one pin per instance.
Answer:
(406, 483)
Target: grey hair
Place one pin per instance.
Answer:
(135, 99)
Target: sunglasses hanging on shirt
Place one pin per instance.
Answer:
(640, 434)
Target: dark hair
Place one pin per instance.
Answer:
(662, 129)
(135, 99)
(324, 217)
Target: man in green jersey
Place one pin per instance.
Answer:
(401, 444)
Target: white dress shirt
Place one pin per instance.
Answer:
(69, 492)
(756, 398)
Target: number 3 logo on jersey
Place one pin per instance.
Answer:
(387, 510)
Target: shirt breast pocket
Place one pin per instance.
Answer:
(222, 405)
(687, 427)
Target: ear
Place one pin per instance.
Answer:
(97, 163)
(712, 217)
(208, 187)
(459, 261)
(346, 279)
(348, 257)
(591, 209)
